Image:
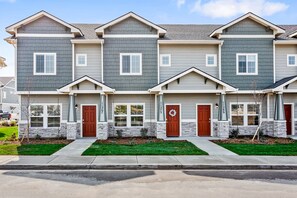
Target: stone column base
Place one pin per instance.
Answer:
(102, 130)
(161, 130)
(223, 129)
(279, 128)
(71, 130)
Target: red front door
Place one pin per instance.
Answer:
(203, 112)
(89, 121)
(288, 115)
(172, 120)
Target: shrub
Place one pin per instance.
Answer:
(38, 137)
(5, 123)
(13, 123)
(119, 133)
(132, 141)
(234, 133)
(143, 132)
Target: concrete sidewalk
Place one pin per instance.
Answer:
(148, 162)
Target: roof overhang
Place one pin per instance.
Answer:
(12, 28)
(285, 42)
(293, 34)
(227, 87)
(277, 30)
(192, 42)
(281, 87)
(100, 29)
(67, 88)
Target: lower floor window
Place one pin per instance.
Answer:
(245, 114)
(45, 115)
(127, 115)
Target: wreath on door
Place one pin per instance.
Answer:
(172, 113)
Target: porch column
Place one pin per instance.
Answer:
(161, 122)
(223, 123)
(279, 123)
(102, 118)
(71, 121)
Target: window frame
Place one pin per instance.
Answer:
(128, 115)
(245, 113)
(246, 55)
(161, 60)
(288, 63)
(215, 64)
(44, 54)
(121, 66)
(45, 115)
(77, 60)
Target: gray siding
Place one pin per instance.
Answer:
(148, 100)
(84, 99)
(93, 68)
(26, 48)
(130, 26)
(247, 27)
(11, 96)
(264, 49)
(186, 56)
(112, 49)
(44, 25)
(282, 70)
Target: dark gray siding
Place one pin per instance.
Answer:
(44, 25)
(247, 27)
(130, 26)
(112, 49)
(264, 49)
(26, 48)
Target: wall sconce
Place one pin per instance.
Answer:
(76, 106)
(216, 105)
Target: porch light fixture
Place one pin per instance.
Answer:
(76, 106)
(216, 105)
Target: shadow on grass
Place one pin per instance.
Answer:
(91, 178)
(2, 135)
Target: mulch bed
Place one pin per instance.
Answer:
(263, 140)
(135, 140)
(39, 141)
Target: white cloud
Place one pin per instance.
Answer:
(231, 8)
(180, 3)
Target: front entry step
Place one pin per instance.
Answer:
(76, 148)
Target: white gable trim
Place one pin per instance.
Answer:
(281, 87)
(277, 30)
(12, 29)
(67, 88)
(100, 30)
(159, 87)
(293, 35)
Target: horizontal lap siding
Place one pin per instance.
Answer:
(187, 56)
(281, 68)
(93, 68)
(112, 49)
(26, 48)
(264, 49)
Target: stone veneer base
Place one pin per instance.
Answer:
(102, 130)
(55, 132)
(71, 130)
(279, 128)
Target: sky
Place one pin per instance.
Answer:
(157, 11)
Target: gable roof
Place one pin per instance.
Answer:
(278, 86)
(278, 30)
(5, 80)
(198, 71)
(11, 29)
(100, 30)
(66, 88)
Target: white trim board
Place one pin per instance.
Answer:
(45, 35)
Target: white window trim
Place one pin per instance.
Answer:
(245, 113)
(4, 95)
(215, 60)
(128, 115)
(34, 63)
(237, 64)
(161, 60)
(86, 60)
(45, 115)
(130, 74)
(288, 64)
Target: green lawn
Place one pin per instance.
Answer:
(151, 148)
(30, 149)
(6, 132)
(262, 149)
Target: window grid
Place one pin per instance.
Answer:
(130, 64)
(165, 60)
(45, 118)
(247, 64)
(211, 60)
(292, 60)
(81, 60)
(44, 64)
(244, 114)
(132, 120)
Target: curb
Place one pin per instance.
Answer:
(148, 167)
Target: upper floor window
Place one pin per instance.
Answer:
(211, 60)
(44, 63)
(292, 59)
(131, 64)
(165, 60)
(81, 60)
(247, 64)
